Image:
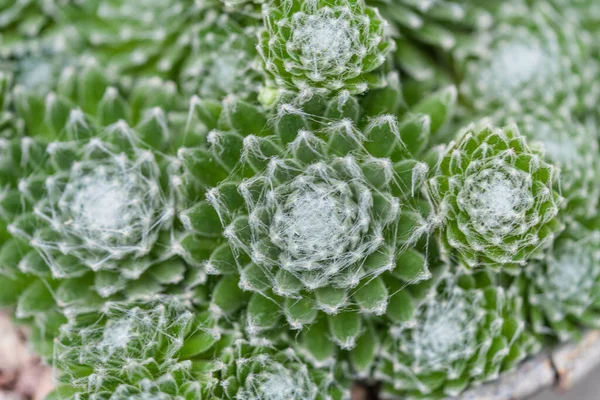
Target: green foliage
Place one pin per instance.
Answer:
(269, 199)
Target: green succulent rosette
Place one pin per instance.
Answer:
(160, 349)
(258, 369)
(494, 199)
(562, 289)
(305, 181)
(468, 331)
(572, 147)
(324, 46)
(532, 56)
(223, 60)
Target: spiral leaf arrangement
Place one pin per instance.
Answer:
(271, 199)
(326, 45)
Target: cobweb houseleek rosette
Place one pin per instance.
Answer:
(494, 199)
(261, 369)
(318, 230)
(345, 189)
(99, 205)
(87, 194)
(223, 59)
(572, 147)
(161, 349)
(531, 57)
(468, 331)
(562, 289)
(324, 46)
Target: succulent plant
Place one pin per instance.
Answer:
(167, 349)
(324, 46)
(572, 147)
(140, 37)
(530, 57)
(561, 289)
(468, 331)
(271, 199)
(223, 60)
(259, 370)
(494, 199)
(138, 351)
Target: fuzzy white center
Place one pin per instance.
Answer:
(325, 41)
(569, 275)
(117, 335)
(277, 382)
(101, 205)
(445, 334)
(497, 200)
(313, 224)
(516, 66)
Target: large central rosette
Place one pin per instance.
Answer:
(317, 224)
(313, 223)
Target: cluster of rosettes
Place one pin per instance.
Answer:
(494, 199)
(467, 331)
(324, 45)
(280, 216)
(167, 349)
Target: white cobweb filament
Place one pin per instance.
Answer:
(497, 199)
